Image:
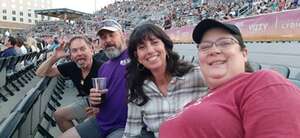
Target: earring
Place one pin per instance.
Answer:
(140, 67)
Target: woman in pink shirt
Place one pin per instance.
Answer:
(240, 103)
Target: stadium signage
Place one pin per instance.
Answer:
(268, 27)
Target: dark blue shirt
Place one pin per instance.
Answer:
(8, 52)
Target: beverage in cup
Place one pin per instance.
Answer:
(100, 84)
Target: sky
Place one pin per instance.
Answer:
(87, 6)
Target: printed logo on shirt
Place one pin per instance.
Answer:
(124, 62)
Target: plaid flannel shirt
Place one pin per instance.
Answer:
(181, 91)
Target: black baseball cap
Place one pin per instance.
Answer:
(208, 24)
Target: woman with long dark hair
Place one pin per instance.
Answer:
(159, 82)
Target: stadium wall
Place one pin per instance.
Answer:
(278, 26)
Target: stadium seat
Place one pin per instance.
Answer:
(12, 75)
(2, 77)
(296, 82)
(298, 76)
(17, 72)
(182, 57)
(255, 66)
(1, 63)
(3, 74)
(283, 70)
(193, 59)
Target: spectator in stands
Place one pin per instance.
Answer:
(111, 119)
(20, 48)
(40, 44)
(7, 34)
(96, 46)
(48, 41)
(32, 44)
(80, 70)
(54, 45)
(281, 5)
(10, 43)
(10, 50)
(2, 47)
(239, 103)
(274, 5)
(168, 23)
(99, 51)
(159, 82)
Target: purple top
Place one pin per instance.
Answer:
(113, 111)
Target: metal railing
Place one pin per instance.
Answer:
(33, 114)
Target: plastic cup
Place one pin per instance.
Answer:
(99, 83)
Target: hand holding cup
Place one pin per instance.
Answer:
(96, 96)
(96, 93)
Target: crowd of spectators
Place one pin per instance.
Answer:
(268, 6)
(165, 13)
(177, 13)
(78, 26)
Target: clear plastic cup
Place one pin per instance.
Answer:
(99, 83)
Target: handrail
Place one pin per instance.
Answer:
(19, 114)
(8, 127)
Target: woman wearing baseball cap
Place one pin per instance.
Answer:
(240, 103)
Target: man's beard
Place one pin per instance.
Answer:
(112, 52)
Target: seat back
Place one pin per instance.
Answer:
(255, 66)
(296, 82)
(283, 70)
(3, 71)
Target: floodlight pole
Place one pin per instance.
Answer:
(95, 3)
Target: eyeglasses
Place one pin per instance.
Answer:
(221, 44)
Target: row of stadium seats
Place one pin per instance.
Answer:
(33, 115)
(17, 71)
(28, 101)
